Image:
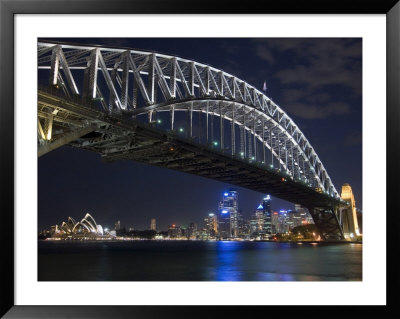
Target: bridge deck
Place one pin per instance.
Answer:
(121, 137)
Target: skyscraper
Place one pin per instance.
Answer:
(211, 224)
(261, 224)
(228, 215)
(192, 230)
(267, 212)
(153, 224)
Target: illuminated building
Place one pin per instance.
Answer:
(211, 224)
(243, 227)
(349, 214)
(228, 215)
(281, 225)
(117, 225)
(260, 223)
(303, 215)
(224, 224)
(274, 222)
(86, 227)
(191, 231)
(153, 224)
(174, 231)
(257, 221)
(267, 212)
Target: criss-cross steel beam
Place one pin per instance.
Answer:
(211, 91)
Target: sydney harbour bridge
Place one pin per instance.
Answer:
(183, 115)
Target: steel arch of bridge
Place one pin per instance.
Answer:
(143, 83)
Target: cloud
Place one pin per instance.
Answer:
(313, 62)
(352, 139)
(265, 53)
(312, 112)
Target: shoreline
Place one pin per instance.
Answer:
(184, 240)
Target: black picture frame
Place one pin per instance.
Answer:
(8, 10)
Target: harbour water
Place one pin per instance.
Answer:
(198, 261)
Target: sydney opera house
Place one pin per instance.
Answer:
(86, 228)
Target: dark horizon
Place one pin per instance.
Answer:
(316, 81)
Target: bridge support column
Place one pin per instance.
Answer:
(254, 137)
(172, 115)
(207, 122)
(221, 128)
(279, 152)
(263, 141)
(326, 221)
(270, 144)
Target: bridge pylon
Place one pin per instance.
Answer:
(348, 214)
(326, 220)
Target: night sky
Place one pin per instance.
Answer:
(318, 82)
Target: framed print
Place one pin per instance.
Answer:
(241, 150)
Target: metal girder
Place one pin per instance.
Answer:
(327, 223)
(65, 139)
(183, 80)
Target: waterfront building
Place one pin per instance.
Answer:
(274, 222)
(243, 226)
(85, 228)
(303, 213)
(211, 224)
(191, 231)
(153, 224)
(291, 219)
(174, 231)
(281, 225)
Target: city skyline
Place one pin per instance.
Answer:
(154, 220)
(136, 192)
(227, 223)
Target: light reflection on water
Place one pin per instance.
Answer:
(199, 261)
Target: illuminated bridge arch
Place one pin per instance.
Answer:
(236, 118)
